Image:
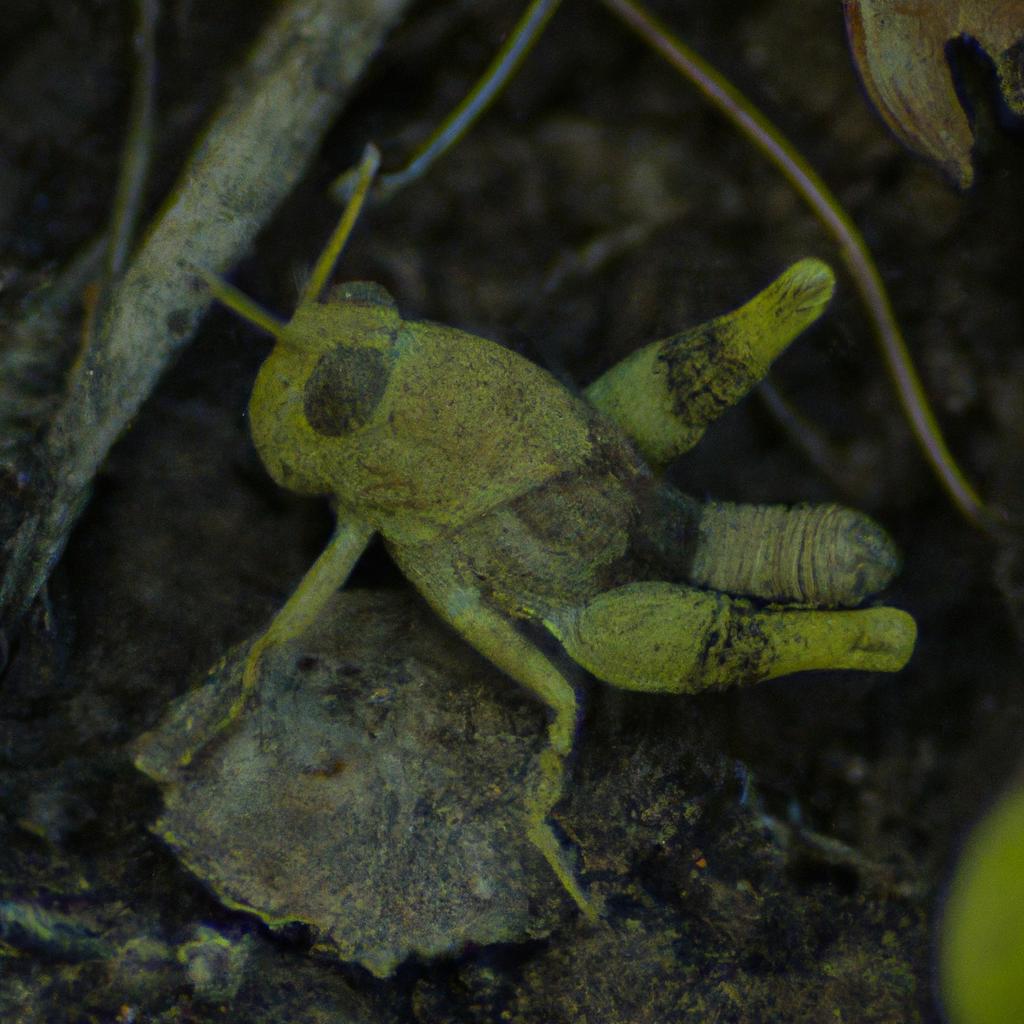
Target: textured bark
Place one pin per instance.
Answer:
(257, 146)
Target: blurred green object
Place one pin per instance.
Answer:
(981, 957)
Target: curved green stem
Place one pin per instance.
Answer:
(519, 42)
(853, 249)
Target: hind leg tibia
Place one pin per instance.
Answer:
(498, 640)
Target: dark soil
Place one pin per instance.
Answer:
(598, 206)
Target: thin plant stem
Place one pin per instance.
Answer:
(138, 145)
(516, 47)
(520, 41)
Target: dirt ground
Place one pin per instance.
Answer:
(775, 853)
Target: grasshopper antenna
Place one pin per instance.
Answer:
(249, 310)
(365, 173)
(239, 302)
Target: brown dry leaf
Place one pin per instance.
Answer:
(899, 47)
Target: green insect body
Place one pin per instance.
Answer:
(503, 496)
(413, 427)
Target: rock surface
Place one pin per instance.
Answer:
(373, 791)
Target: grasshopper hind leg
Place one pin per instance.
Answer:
(498, 640)
(668, 638)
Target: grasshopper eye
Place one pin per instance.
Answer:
(344, 390)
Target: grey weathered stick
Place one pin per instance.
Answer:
(258, 144)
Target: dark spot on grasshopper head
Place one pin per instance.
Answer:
(344, 390)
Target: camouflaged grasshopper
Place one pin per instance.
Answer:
(505, 499)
